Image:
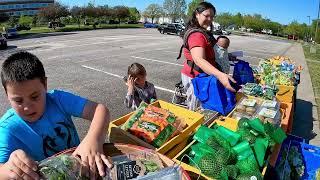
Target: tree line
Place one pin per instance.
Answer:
(173, 9)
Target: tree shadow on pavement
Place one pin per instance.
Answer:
(303, 120)
(41, 35)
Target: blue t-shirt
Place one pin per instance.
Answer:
(52, 133)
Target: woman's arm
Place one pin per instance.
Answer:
(198, 56)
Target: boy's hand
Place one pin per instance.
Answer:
(19, 166)
(130, 84)
(91, 153)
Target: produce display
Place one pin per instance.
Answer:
(246, 107)
(269, 111)
(277, 71)
(223, 154)
(154, 125)
(257, 90)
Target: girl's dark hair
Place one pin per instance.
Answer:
(136, 69)
(22, 66)
(193, 22)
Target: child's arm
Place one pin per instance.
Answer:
(19, 166)
(129, 100)
(91, 148)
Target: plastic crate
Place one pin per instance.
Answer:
(285, 93)
(192, 119)
(287, 116)
(310, 154)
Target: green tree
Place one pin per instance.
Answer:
(192, 6)
(25, 20)
(297, 29)
(13, 21)
(224, 19)
(134, 14)
(238, 20)
(121, 12)
(77, 14)
(175, 8)
(54, 12)
(35, 20)
(153, 11)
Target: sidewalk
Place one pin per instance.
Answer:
(306, 123)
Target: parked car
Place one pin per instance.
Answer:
(11, 33)
(150, 25)
(171, 29)
(3, 42)
(226, 32)
(54, 24)
(21, 27)
(217, 32)
(114, 22)
(132, 22)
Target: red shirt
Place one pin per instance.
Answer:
(197, 39)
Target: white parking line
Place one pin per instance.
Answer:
(155, 60)
(254, 57)
(118, 76)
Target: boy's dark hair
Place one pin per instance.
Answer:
(136, 69)
(223, 37)
(22, 66)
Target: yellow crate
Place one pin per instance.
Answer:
(229, 123)
(178, 148)
(285, 93)
(191, 118)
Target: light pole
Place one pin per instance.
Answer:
(315, 36)
(309, 30)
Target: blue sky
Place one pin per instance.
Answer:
(282, 11)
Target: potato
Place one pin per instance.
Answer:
(241, 108)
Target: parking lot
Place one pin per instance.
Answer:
(92, 63)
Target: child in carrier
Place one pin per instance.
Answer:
(221, 53)
(139, 89)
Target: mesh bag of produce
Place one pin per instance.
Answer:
(248, 165)
(243, 123)
(216, 141)
(254, 175)
(246, 135)
(210, 166)
(232, 171)
(62, 167)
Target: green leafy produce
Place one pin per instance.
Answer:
(63, 167)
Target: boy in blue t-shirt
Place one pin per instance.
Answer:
(39, 123)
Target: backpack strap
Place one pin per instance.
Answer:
(186, 35)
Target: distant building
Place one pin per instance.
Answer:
(23, 7)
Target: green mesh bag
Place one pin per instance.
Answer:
(243, 123)
(246, 135)
(232, 171)
(233, 157)
(255, 175)
(223, 156)
(247, 165)
(210, 167)
(216, 141)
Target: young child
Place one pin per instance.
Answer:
(221, 53)
(138, 88)
(39, 123)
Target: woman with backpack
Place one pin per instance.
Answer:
(198, 52)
